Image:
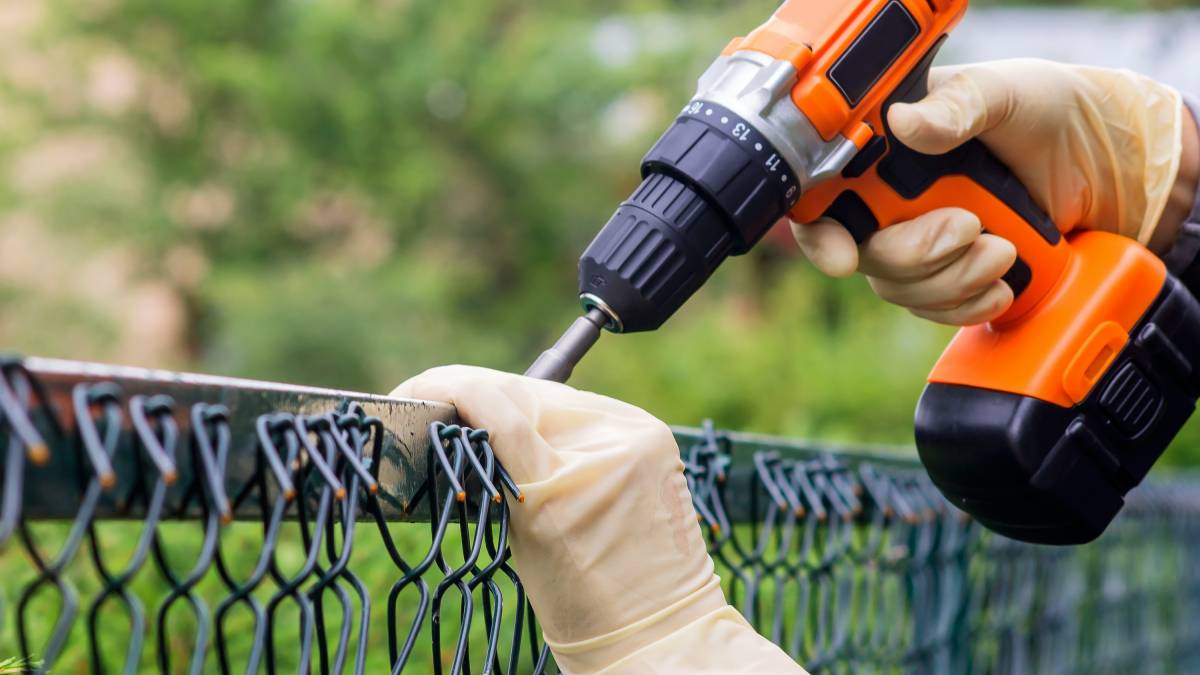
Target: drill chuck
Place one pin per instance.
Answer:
(712, 186)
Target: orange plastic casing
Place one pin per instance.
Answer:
(813, 35)
(1058, 351)
(1085, 292)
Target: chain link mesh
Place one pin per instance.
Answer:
(850, 562)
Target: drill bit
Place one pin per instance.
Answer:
(557, 362)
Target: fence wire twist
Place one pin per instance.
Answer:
(851, 563)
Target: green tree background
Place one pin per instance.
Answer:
(346, 193)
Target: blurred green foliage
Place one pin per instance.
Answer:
(345, 193)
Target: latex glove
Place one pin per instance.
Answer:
(1099, 149)
(606, 541)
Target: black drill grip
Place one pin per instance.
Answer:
(911, 175)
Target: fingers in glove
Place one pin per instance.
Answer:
(828, 246)
(961, 104)
(917, 248)
(982, 263)
(507, 405)
(527, 418)
(988, 305)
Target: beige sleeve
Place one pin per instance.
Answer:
(720, 641)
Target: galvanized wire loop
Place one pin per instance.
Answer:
(330, 579)
(25, 442)
(98, 447)
(210, 425)
(14, 409)
(158, 444)
(313, 457)
(329, 488)
(270, 430)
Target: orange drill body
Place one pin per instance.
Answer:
(813, 37)
(1037, 423)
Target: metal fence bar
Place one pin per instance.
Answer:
(120, 492)
(52, 409)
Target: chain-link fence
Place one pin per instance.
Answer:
(162, 522)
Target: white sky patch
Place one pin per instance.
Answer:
(615, 43)
(1162, 45)
(629, 118)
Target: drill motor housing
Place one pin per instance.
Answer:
(1037, 423)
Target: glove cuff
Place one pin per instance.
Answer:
(1183, 258)
(721, 641)
(1162, 157)
(596, 654)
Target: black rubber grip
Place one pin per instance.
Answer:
(853, 213)
(911, 174)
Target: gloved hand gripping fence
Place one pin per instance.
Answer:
(243, 546)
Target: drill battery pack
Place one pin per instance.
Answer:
(1055, 446)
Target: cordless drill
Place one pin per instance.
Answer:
(1037, 423)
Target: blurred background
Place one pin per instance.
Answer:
(343, 194)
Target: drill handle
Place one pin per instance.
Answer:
(889, 182)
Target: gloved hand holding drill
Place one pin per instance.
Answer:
(1077, 364)
(1098, 149)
